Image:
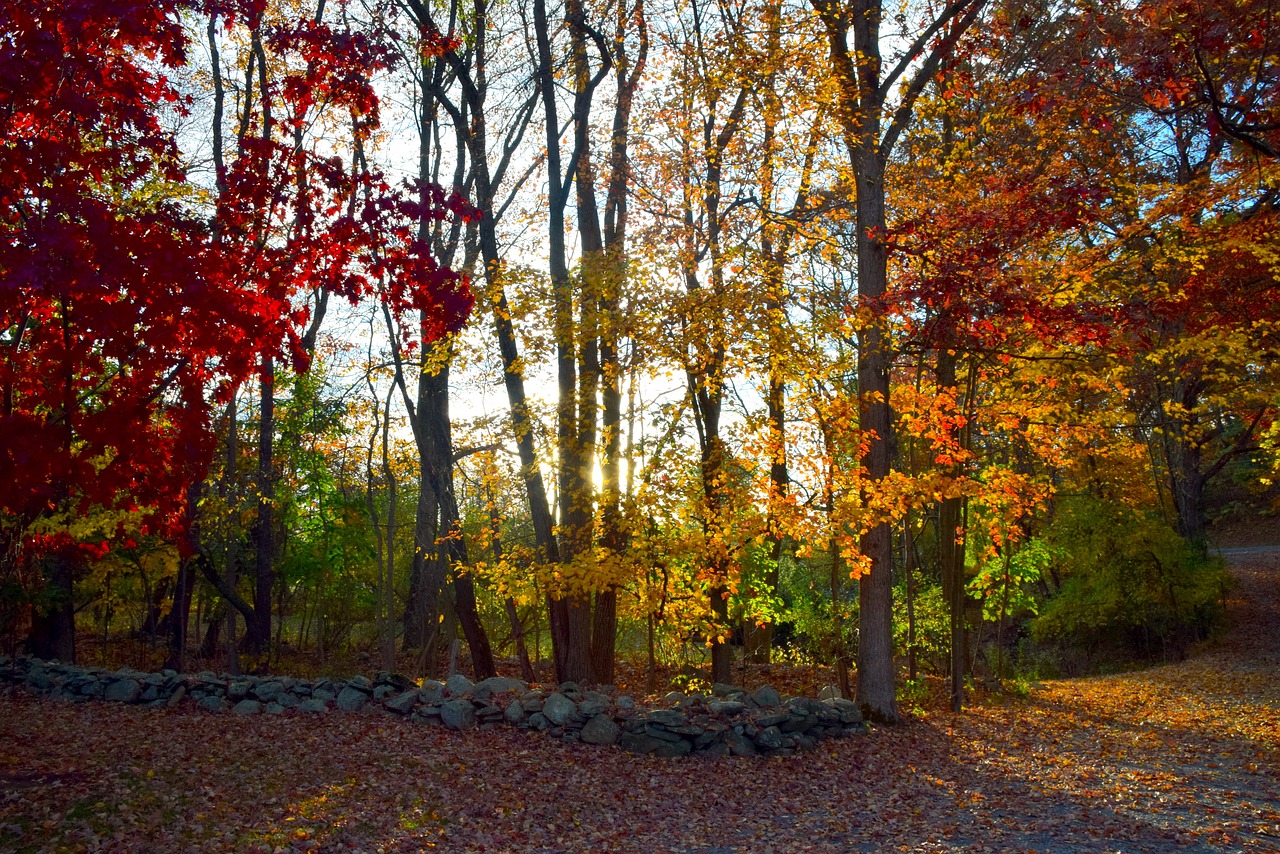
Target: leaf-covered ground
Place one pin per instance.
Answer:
(1183, 757)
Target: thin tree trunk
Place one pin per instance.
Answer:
(870, 133)
(908, 566)
(180, 614)
(258, 630)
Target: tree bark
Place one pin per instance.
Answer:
(871, 128)
(53, 629)
(258, 629)
(951, 553)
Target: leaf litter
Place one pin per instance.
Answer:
(1184, 757)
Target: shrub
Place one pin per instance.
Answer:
(1127, 585)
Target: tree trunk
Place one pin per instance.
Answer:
(951, 554)
(453, 550)
(180, 614)
(1186, 482)
(870, 132)
(258, 629)
(876, 694)
(569, 610)
(53, 629)
(426, 573)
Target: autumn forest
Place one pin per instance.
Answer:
(635, 341)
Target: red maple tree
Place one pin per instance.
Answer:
(126, 312)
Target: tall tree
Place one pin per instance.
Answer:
(875, 105)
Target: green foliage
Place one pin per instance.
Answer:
(932, 627)
(1007, 583)
(758, 567)
(810, 631)
(1128, 585)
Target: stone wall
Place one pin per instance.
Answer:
(728, 722)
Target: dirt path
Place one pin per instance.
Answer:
(1190, 749)
(1177, 758)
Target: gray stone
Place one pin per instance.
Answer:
(39, 680)
(673, 697)
(570, 689)
(692, 700)
(766, 697)
(268, 691)
(626, 703)
(247, 707)
(559, 709)
(403, 704)
(90, 687)
(805, 742)
(772, 719)
(324, 695)
(726, 707)
(770, 738)
(799, 723)
(532, 701)
(675, 748)
(458, 685)
(123, 691)
(458, 714)
(314, 706)
(662, 733)
(807, 706)
(739, 744)
(721, 689)
(176, 697)
(274, 709)
(831, 692)
(539, 721)
(286, 700)
(600, 730)
(351, 699)
(848, 711)
(592, 706)
(238, 690)
(489, 712)
(213, 704)
(396, 680)
(634, 742)
(667, 717)
(382, 692)
(486, 688)
(150, 694)
(514, 713)
(711, 735)
(432, 691)
(361, 682)
(829, 716)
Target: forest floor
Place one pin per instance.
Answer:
(1183, 757)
